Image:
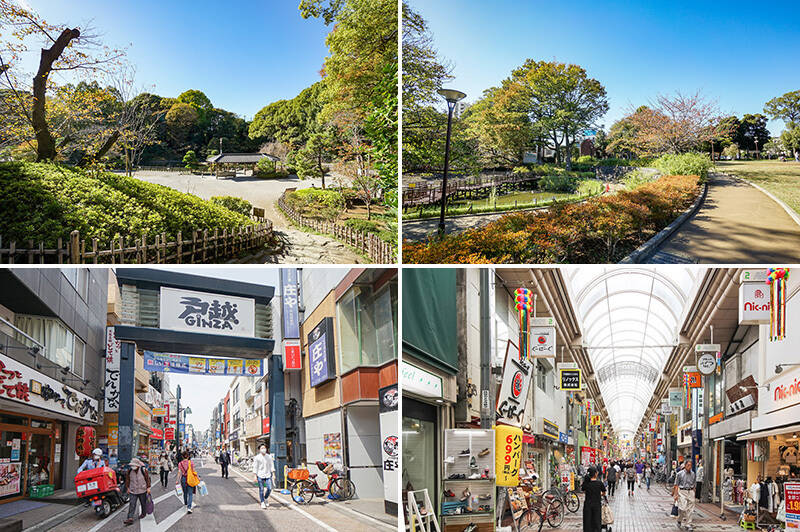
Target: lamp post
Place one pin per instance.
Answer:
(452, 97)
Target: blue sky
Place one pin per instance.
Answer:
(739, 54)
(243, 54)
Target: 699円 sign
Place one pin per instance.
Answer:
(508, 445)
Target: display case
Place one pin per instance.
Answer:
(468, 487)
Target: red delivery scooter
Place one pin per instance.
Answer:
(101, 489)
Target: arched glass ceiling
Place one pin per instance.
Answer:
(629, 319)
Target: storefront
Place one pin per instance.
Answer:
(35, 429)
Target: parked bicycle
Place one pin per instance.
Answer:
(550, 510)
(338, 487)
(568, 497)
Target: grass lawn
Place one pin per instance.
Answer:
(782, 179)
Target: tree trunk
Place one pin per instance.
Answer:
(321, 170)
(107, 145)
(46, 146)
(568, 152)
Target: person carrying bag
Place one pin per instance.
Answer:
(189, 480)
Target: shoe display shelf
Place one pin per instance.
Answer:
(468, 503)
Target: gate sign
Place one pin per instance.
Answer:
(754, 303)
(203, 312)
(569, 379)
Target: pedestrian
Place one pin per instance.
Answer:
(164, 467)
(639, 470)
(264, 468)
(685, 483)
(648, 475)
(611, 478)
(592, 507)
(224, 460)
(137, 478)
(700, 476)
(630, 476)
(188, 491)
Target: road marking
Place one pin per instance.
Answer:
(295, 508)
(108, 519)
(341, 506)
(148, 524)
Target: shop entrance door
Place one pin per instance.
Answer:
(420, 433)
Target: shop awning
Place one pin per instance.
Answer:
(769, 432)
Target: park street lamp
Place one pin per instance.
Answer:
(452, 96)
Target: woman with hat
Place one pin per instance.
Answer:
(138, 481)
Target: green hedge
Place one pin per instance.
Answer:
(685, 164)
(42, 202)
(242, 206)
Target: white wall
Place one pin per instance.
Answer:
(316, 427)
(317, 283)
(364, 449)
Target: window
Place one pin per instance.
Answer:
(367, 327)
(236, 394)
(62, 346)
(541, 376)
(79, 279)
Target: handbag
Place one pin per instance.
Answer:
(191, 476)
(179, 491)
(607, 515)
(148, 505)
(674, 511)
(202, 488)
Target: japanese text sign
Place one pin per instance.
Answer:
(202, 312)
(321, 362)
(508, 455)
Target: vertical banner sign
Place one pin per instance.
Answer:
(111, 384)
(390, 447)
(517, 370)
(776, 279)
(291, 320)
(791, 494)
(321, 355)
(291, 355)
(508, 455)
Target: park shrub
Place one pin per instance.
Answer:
(266, 168)
(365, 226)
(242, 206)
(43, 202)
(316, 202)
(559, 183)
(685, 164)
(613, 161)
(586, 159)
(604, 229)
(636, 178)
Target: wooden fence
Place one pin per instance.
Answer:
(377, 250)
(200, 247)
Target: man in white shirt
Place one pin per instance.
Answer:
(264, 468)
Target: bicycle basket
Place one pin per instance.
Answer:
(298, 474)
(329, 469)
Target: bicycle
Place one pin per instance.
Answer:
(569, 498)
(338, 488)
(552, 512)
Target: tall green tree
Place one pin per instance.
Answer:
(785, 107)
(753, 133)
(310, 160)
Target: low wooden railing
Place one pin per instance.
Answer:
(377, 250)
(201, 246)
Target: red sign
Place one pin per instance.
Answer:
(158, 434)
(588, 455)
(169, 433)
(529, 439)
(292, 359)
(265, 425)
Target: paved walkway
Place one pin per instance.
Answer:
(736, 224)
(419, 230)
(649, 510)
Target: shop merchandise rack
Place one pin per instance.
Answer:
(469, 453)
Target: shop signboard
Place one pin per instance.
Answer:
(754, 303)
(169, 433)
(783, 392)
(321, 357)
(675, 397)
(204, 312)
(418, 381)
(549, 429)
(707, 363)
(23, 384)
(791, 494)
(695, 379)
(191, 365)
(543, 338)
(563, 438)
(570, 379)
(517, 372)
(291, 321)
(292, 357)
(666, 408)
(158, 434)
(111, 384)
(160, 411)
(264, 426)
(389, 399)
(113, 434)
(588, 455)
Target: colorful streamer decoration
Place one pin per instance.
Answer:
(686, 391)
(719, 362)
(776, 279)
(524, 305)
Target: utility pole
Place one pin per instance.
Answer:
(487, 412)
(178, 420)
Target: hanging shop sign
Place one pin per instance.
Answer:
(791, 494)
(543, 338)
(321, 357)
(157, 434)
(666, 408)
(291, 321)
(264, 426)
(707, 363)
(420, 382)
(563, 438)
(292, 355)
(185, 364)
(169, 433)
(508, 455)
(754, 303)
(113, 434)
(716, 418)
(784, 392)
(570, 379)
(517, 370)
(389, 399)
(588, 455)
(549, 429)
(695, 379)
(685, 434)
(22, 384)
(141, 414)
(111, 384)
(203, 312)
(160, 411)
(675, 397)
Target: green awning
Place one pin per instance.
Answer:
(429, 316)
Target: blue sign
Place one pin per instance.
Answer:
(217, 434)
(182, 426)
(291, 321)
(318, 364)
(14, 455)
(562, 437)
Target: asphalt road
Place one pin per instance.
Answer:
(232, 505)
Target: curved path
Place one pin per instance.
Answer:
(737, 224)
(418, 230)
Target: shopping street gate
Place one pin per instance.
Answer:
(221, 325)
